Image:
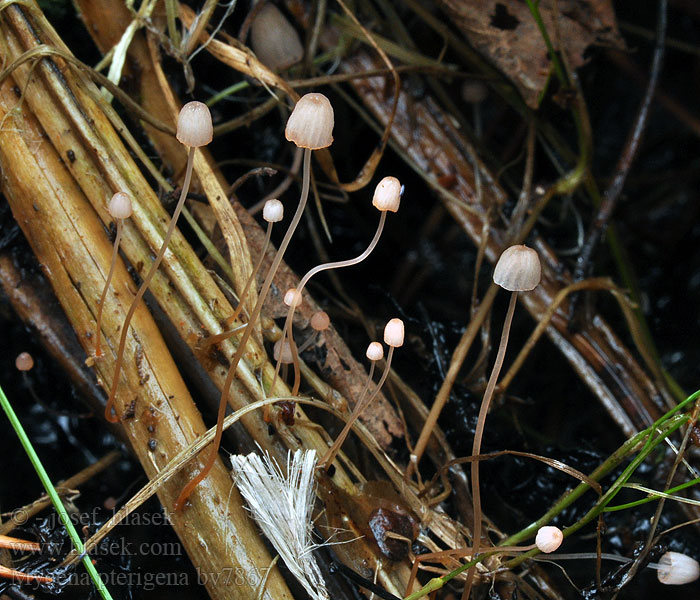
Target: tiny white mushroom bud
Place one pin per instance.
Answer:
(677, 569)
(393, 333)
(283, 352)
(24, 361)
(375, 351)
(311, 123)
(387, 194)
(273, 211)
(194, 126)
(292, 297)
(518, 269)
(320, 321)
(275, 42)
(549, 538)
(119, 206)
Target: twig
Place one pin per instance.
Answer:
(612, 193)
(458, 357)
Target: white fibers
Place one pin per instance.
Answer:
(282, 505)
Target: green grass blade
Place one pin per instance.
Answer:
(51, 491)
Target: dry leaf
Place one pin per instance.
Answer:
(506, 33)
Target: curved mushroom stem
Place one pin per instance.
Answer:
(362, 403)
(144, 286)
(479, 434)
(115, 252)
(307, 342)
(287, 331)
(187, 490)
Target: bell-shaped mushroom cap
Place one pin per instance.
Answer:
(548, 538)
(676, 569)
(194, 126)
(273, 211)
(283, 352)
(275, 42)
(387, 194)
(518, 269)
(311, 123)
(119, 206)
(292, 297)
(375, 351)
(393, 333)
(320, 321)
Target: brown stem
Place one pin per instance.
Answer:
(458, 357)
(144, 287)
(187, 490)
(359, 407)
(215, 339)
(478, 435)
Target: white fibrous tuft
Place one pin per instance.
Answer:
(282, 505)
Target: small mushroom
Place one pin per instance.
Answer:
(273, 39)
(310, 126)
(517, 270)
(387, 197)
(548, 538)
(194, 129)
(677, 569)
(120, 208)
(393, 337)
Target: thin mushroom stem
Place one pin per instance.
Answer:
(214, 339)
(253, 275)
(144, 286)
(187, 490)
(287, 331)
(443, 395)
(479, 433)
(363, 403)
(115, 253)
(307, 342)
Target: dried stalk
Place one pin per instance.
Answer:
(50, 202)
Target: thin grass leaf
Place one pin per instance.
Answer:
(51, 491)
